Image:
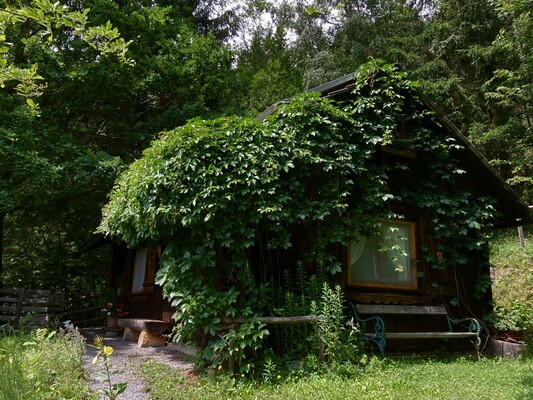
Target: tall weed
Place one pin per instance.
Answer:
(341, 342)
(14, 382)
(42, 364)
(294, 297)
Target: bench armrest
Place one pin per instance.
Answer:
(471, 324)
(379, 324)
(378, 336)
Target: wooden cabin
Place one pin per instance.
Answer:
(464, 290)
(367, 276)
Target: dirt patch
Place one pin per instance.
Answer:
(127, 359)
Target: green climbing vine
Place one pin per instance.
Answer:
(234, 199)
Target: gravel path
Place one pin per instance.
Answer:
(127, 358)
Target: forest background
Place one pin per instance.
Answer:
(84, 90)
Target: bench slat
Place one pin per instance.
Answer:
(400, 310)
(428, 335)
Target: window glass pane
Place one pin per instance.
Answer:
(137, 284)
(384, 259)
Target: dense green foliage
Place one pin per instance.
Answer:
(81, 97)
(229, 197)
(43, 365)
(83, 91)
(49, 184)
(390, 379)
(75, 96)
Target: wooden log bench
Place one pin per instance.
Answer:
(469, 327)
(146, 332)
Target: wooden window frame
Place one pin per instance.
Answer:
(414, 282)
(150, 267)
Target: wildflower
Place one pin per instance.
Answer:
(242, 375)
(115, 310)
(95, 360)
(98, 342)
(108, 350)
(279, 376)
(219, 367)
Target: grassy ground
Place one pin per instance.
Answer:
(409, 378)
(42, 365)
(512, 269)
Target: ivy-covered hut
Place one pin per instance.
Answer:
(358, 182)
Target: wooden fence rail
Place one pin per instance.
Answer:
(300, 319)
(87, 316)
(29, 307)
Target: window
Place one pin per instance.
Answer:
(384, 260)
(139, 269)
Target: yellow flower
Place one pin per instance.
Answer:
(220, 367)
(279, 376)
(108, 350)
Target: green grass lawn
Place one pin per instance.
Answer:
(408, 378)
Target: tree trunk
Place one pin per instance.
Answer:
(2, 216)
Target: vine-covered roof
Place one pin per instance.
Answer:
(482, 178)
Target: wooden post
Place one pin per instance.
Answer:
(521, 237)
(2, 217)
(320, 344)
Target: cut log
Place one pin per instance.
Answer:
(130, 335)
(146, 339)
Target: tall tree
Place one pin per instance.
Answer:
(81, 103)
(478, 74)
(31, 156)
(509, 93)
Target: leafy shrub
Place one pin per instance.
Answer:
(519, 317)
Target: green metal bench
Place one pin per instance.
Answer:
(470, 326)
